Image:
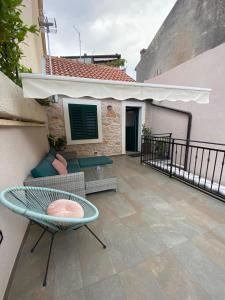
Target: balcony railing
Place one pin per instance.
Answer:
(197, 163)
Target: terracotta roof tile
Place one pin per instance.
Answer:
(69, 67)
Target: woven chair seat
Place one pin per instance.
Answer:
(32, 202)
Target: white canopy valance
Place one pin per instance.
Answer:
(42, 86)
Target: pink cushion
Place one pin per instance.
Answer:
(61, 159)
(65, 208)
(60, 168)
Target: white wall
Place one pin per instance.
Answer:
(34, 45)
(13, 105)
(208, 124)
(21, 148)
(162, 121)
(206, 70)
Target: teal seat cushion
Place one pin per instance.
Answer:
(88, 162)
(73, 166)
(44, 168)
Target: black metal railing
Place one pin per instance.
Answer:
(197, 163)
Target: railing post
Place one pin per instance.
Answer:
(186, 154)
(141, 160)
(170, 136)
(171, 164)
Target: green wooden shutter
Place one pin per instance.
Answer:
(83, 121)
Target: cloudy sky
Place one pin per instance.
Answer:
(106, 26)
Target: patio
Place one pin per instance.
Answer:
(164, 240)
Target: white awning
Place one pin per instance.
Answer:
(42, 86)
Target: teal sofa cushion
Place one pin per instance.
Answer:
(88, 162)
(73, 166)
(49, 157)
(44, 168)
(52, 151)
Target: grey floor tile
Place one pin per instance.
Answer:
(76, 295)
(121, 207)
(204, 271)
(175, 280)
(139, 283)
(172, 238)
(220, 231)
(107, 289)
(212, 247)
(64, 279)
(125, 254)
(96, 266)
(152, 240)
(188, 228)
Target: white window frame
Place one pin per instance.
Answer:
(66, 102)
(141, 121)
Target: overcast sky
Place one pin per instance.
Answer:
(106, 26)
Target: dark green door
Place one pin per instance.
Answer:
(132, 128)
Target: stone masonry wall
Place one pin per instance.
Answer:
(111, 129)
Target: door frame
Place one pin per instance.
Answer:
(132, 143)
(141, 121)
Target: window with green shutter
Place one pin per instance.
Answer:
(83, 121)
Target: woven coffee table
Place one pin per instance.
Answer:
(99, 179)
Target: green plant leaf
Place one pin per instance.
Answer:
(12, 32)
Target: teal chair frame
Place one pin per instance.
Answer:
(32, 203)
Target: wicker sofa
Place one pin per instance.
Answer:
(83, 177)
(72, 183)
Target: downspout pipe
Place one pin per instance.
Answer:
(189, 126)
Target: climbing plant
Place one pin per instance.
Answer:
(146, 131)
(12, 32)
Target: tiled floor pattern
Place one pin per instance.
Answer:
(164, 241)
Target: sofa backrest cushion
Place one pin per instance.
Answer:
(52, 151)
(73, 166)
(94, 161)
(44, 167)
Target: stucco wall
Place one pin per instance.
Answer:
(13, 105)
(208, 124)
(33, 45)
(20, 150)
(206, 70)
(192, 27)
(111, 129)
(164, 121)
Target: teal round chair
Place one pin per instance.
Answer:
(32, 203)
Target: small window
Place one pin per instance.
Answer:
(83, 121)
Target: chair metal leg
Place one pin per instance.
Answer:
(49, 255)
(35, 245)
(104, 246)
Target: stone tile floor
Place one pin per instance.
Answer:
(164, 240)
